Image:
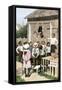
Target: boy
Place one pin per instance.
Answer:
(42, 49)
(35, 53)
(19, 50)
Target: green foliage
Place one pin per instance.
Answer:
(22, 32)
(19, 79)
(18, 58)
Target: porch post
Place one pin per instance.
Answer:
(50, 30)
(29, 32)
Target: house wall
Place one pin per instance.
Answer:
(45, 28)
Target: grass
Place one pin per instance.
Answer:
(17, 58)
(48, 76)
(19, 79)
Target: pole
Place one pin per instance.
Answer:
(50, 30)
(29, 32)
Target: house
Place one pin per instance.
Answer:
(42, 20)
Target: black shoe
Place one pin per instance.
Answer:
(26, 75)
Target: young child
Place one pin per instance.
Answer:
(42, 53)
(35, 53)
(42, 48)
(19, 50)
(30, 48)
(48, 49)
(54, 44)
(26, 60)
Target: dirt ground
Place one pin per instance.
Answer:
(34, 76)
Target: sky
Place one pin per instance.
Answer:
(21, 13)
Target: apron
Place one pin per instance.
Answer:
(26, 60)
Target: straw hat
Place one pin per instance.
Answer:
(35, 44)
(26, 46)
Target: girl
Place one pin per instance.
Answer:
(26, 60)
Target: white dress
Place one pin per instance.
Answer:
(26, 60)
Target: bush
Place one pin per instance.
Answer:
(22, 32)
(19, 79)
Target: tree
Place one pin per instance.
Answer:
(22, 32)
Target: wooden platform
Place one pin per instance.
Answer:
(53, 65)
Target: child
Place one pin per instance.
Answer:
(42, 49)
(54, 44)
(48, 49)
(19, 47)
(35, 53)
(30, 48)
(19, 50)
(26, 60)
(42, 53)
